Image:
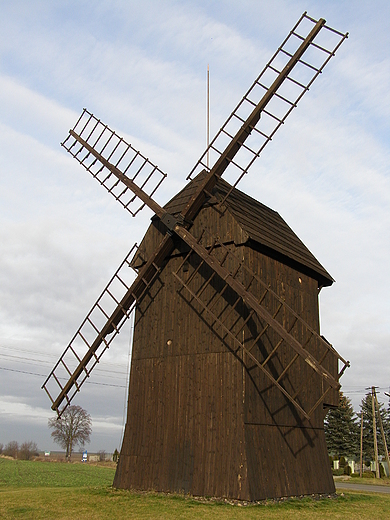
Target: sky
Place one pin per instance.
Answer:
(141, 68)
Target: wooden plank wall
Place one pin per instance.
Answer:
(198, 420)
(186, 427)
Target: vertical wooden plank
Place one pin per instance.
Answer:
(189, 427)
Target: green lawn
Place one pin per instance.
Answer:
(28, 473)
(384, 481)
(48, 490)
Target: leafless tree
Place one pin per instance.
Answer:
(102, 455)
(11, 449)
(28, 450)
(72, 428)
(1, 448)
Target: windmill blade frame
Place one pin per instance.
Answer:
(88, 136)
(115, 319)
(94, 145)
(144, 282)
(258, 298)
(257, 100)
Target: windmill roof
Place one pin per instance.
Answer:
(265, 228)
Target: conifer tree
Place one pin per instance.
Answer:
(386, 425)
(342, 429)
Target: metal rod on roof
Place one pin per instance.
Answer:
(208, 115)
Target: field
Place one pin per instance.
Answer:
(33, 490)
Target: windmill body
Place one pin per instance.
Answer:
(230, 378)
(202, 417)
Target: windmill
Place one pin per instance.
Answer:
(230, 377)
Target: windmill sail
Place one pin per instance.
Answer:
(261, 307)
(229, 276)
(109, 159)
(101, 325)
(270, 100)
(133, 180)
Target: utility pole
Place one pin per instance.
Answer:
(377, 473)
(361, 446)
(382, 431)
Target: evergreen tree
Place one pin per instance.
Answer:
(342, 429)
(368, 435)
(386, 425)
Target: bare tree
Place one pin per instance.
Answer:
(1, 448)
(28, 450)
(72, 428)
(102, 455)
(11, 449)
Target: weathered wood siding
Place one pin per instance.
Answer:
(201, 418)
(185, 413)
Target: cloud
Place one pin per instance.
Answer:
(62, 236)
(22, 412)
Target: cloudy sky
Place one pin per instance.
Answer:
(141, 68)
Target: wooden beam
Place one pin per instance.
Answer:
(135, 291)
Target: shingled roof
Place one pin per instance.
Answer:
(263, 226)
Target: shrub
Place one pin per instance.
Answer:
(28, 450)
(102, 455)
(347, 470)
(342, 462)
(368, 474)
(115, 456)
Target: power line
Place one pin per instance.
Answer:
(44, 375)
(22, 371)
(53, 357)
(38, 361)
(18, 349)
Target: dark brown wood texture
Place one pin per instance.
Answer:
(246, 219)
(201, 417)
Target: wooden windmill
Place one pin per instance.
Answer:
(230, 378)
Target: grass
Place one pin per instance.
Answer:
(36, 490)
(384, 481)
(28, 473)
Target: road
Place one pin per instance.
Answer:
(371, 488)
